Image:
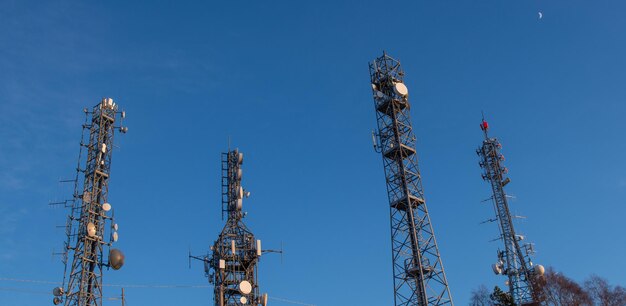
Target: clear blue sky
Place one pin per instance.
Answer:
(288, 82)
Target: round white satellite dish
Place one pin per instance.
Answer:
(401, 89)
(379, 94)
(245, 287)
(243, 300)
(115, 226)
(115, 236)
(91, 229)
(106, 206)
(373, 86)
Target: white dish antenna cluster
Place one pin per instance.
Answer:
(240, 193)
(107, 103)
(398, 87)
(114, 236)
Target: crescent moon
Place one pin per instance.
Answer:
(540, 15)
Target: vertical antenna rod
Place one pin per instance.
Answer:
(515, 260)
(232, 267)
(418, 274)
(90, 226)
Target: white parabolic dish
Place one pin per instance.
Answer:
(91, 229)
(245, 287)
(401, 89)
(539, 270)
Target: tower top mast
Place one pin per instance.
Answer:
(90, 226)
(232, 265)
(418, 274)
(514, 261)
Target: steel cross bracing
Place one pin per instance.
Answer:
(418, 273)
(232, 266)
(514, 261)
(90, 227)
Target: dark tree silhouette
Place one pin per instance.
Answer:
(480, 297)
(559, 290)
(501, 298)
(556, 289)
(603, 294)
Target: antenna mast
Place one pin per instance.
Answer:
(90, 227)
(418, 274)
(232, 266)
(515, 260)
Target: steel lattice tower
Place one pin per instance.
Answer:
(232, 266)
(515, 260)
(418, 273)
(90, 227)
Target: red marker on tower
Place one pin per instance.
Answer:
(484, 125)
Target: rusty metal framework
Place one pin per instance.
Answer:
(418, 273)
(90, 225)
(515, 260)
(232, 265)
